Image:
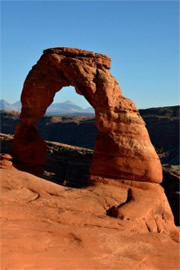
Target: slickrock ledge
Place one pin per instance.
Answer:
(123, 149)
(47, 226)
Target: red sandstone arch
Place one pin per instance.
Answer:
(123, 149)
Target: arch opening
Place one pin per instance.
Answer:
(67, 164)
(67, 102)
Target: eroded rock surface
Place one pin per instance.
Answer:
(110, 225)
(5, 161)
(47, 226)
(123, 149)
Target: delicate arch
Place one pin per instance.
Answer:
(122, 150)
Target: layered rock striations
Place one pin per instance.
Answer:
(123, 149)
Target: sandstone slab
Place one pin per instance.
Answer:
(47, 226)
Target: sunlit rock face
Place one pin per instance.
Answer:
(123, 150)
(89, 228)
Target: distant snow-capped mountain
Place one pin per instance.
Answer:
(89, 109)
(64, 108)
(17, 105)
(4, 105)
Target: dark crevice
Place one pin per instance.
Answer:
(113, 211)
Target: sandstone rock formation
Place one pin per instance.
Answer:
(123, 149)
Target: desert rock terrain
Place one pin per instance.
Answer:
(50, 226)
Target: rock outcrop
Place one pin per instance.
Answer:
(5, 161)
(123, 149)
(48, 226)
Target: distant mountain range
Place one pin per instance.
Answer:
(64, 108)
(4, 105)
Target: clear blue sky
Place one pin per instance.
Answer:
(141, 37)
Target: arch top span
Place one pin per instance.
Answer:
(123, 149)
(98, 58)
(86, 71)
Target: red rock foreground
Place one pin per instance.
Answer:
(47, 226)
